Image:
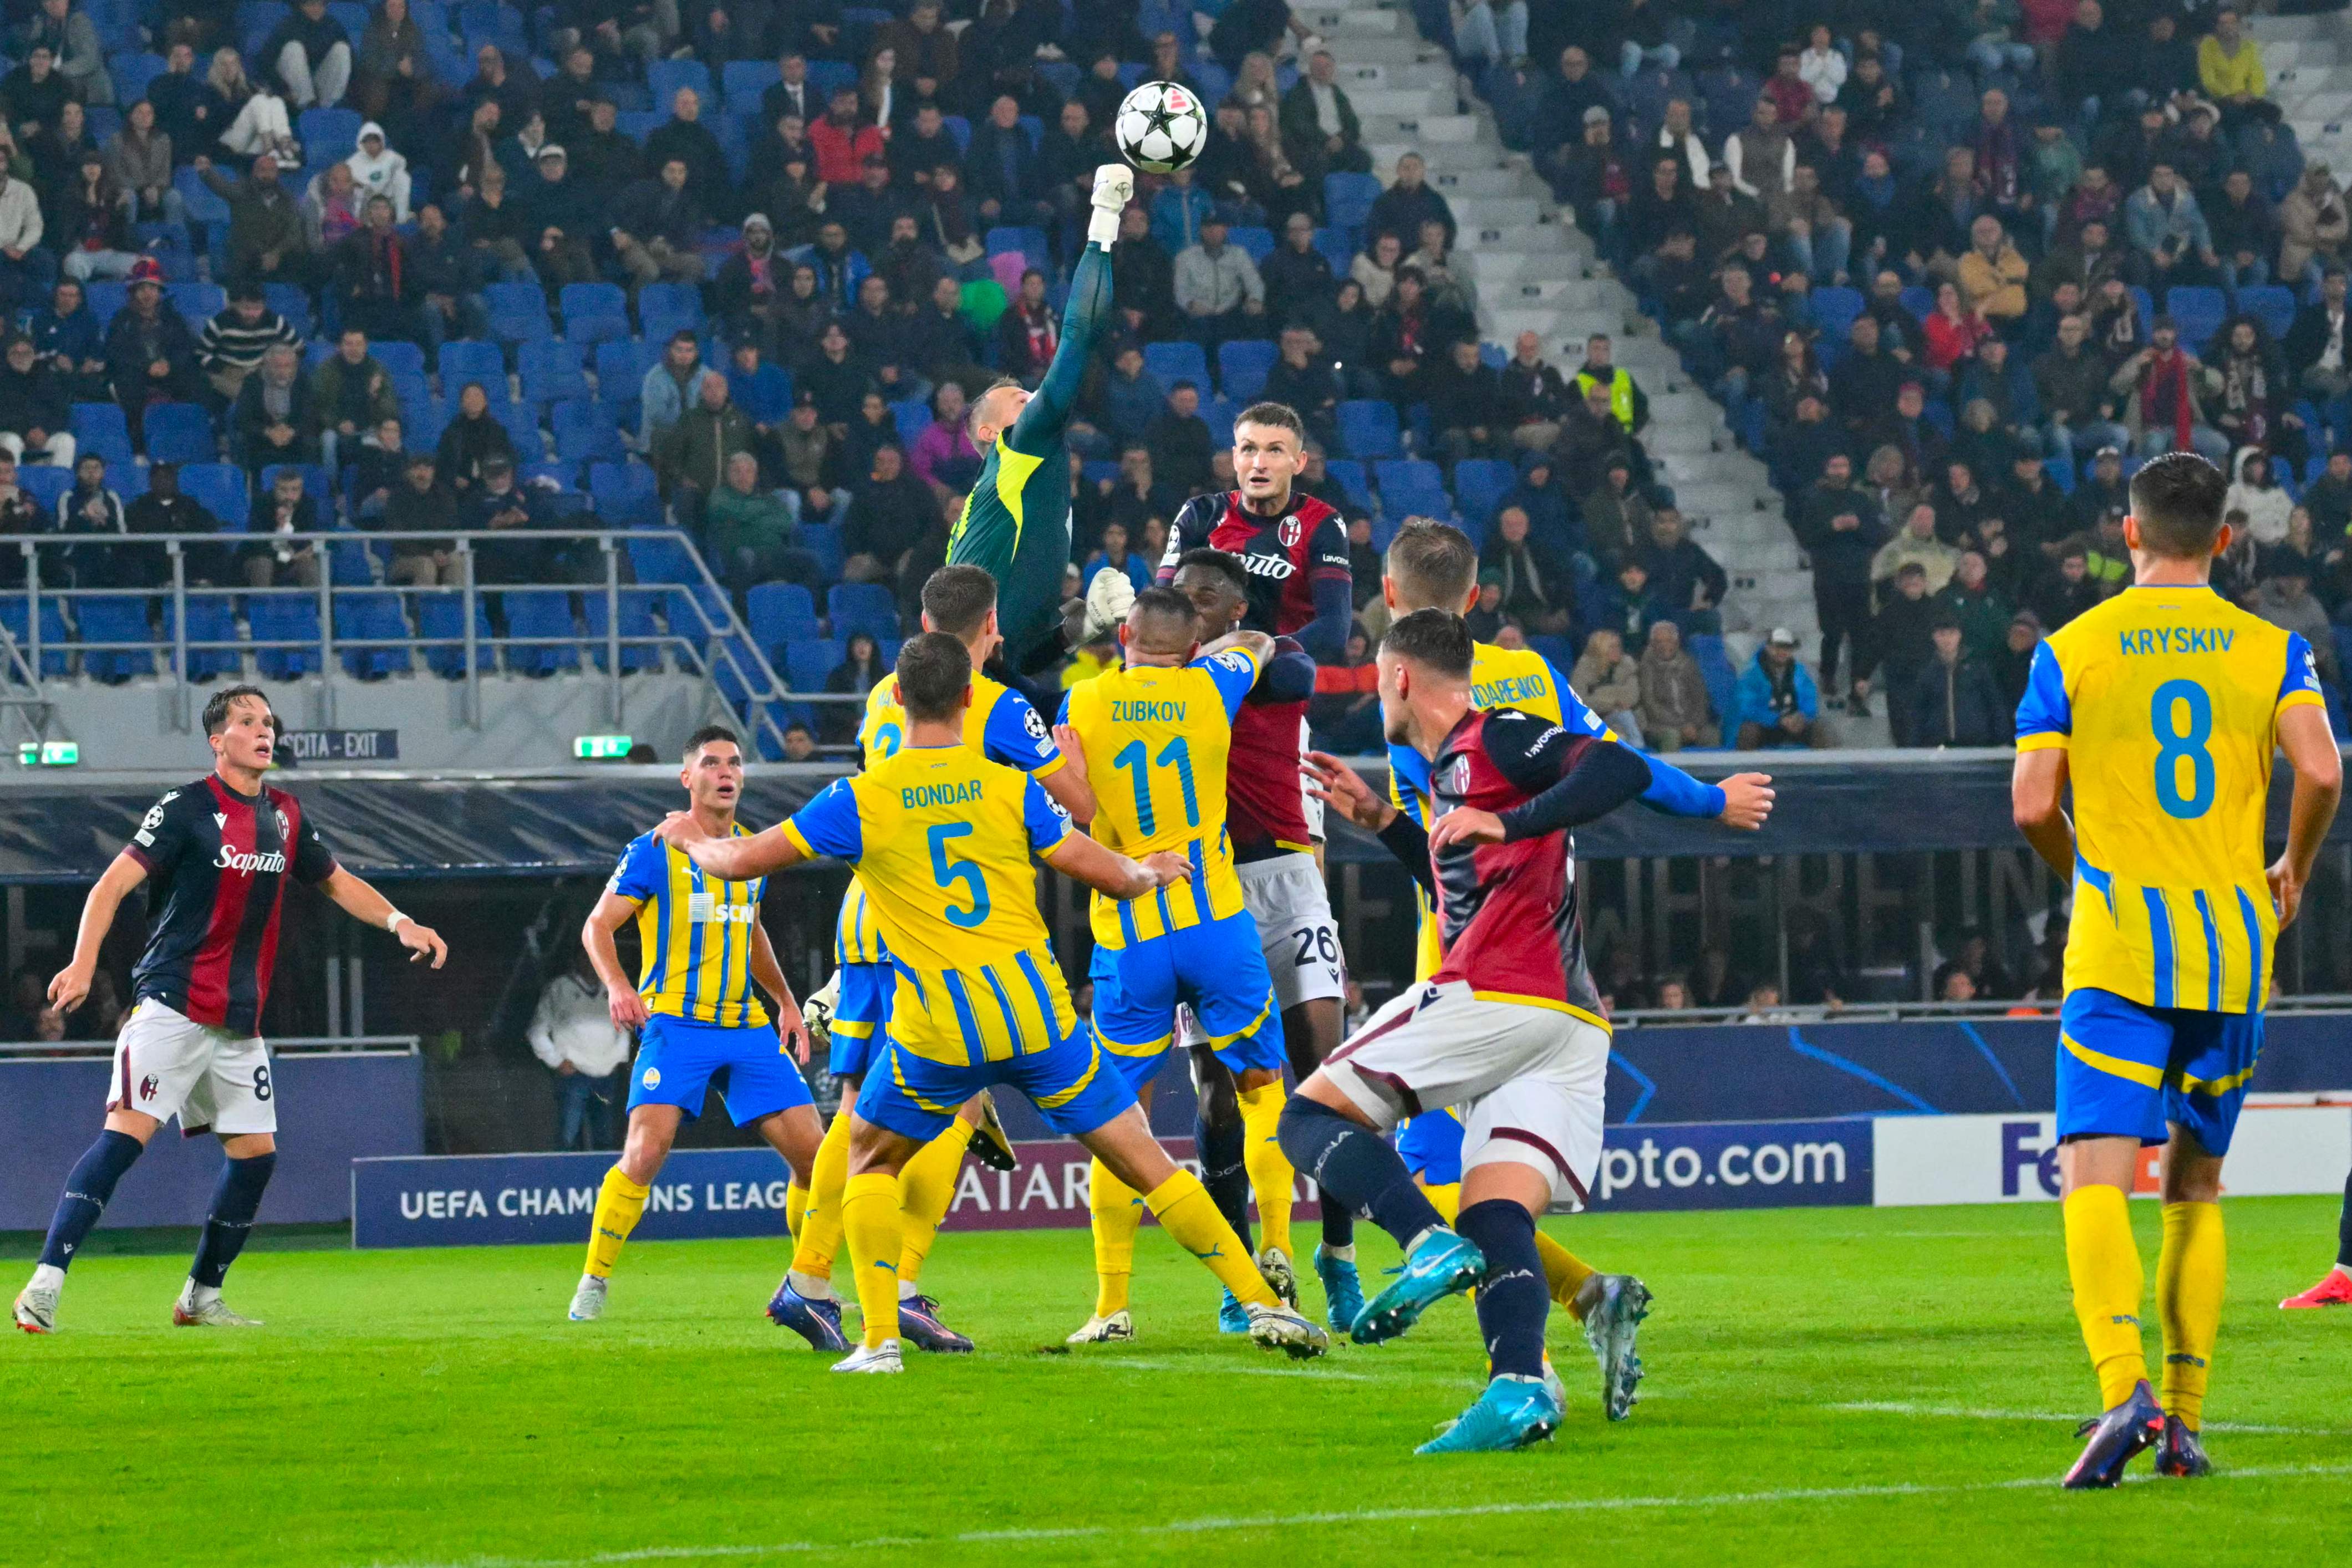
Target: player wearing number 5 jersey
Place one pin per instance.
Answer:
(216, 856)
(1157, 735)
(1002, 725)
(944, 840)
(2161, 708)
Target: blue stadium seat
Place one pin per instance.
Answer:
(779, 614)
(1368, 429)
(2061, 473)
(625, 495)
(593, 313)
(808, 661)
(399, 359)
(1027, 243)
(540, 613)
(441, 621)
(106, 299)
(132, 73)
(283, 297)
(349, 562)
(552, 370)
(1348, 199)
(670, 301)
(518, 313)
(664, 557)
(196, 302)
(664, 78)
(621, 367)
(220, 488)
(1253, 241)
(115, 618)
(327, 135)
(47, 486)
(521, 423)
(56, 640)
(637, 605)
(372, 616)
(99, 427)
(2198, 312)
(912, 420)
(2271, 305)
(292, 618)
(465, 361)
(1834, 310)
(212, 620)
(1242, 366)
(1411, 488)
(1348, 474)
(179, 433)
(744, 81)
(1479, 486)
(866, 604)
(1722, 682)
(823, 539)
(1175, 362)
(1217, 414)
(584, 433)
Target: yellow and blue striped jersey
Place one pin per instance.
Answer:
(696, 935)
(1156, 740)
(1000, 725)
(1499, 678)
(2166, 701)
(942, 840)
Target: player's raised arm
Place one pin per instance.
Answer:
(735, 859)
(1038, 432)
(72, 984)
(2310, 746)
(1570, 780)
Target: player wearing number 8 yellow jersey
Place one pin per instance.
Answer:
(2162, 708)
(1004, 727)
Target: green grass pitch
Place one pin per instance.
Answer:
(1827, 1385)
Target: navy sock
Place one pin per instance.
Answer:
(1220, 1149)
(1513, 1300)
(1355, 1167)
(89, 1188)
(235, 1200)
(1338, 1225)
(2344, 1227)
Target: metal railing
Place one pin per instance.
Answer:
(699, 631)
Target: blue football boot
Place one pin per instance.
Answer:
(1233, 1318)
(1343, 1291)
(2116, 1437)
(2180, 1453)
(1511, 1414)
(919, 1320)
(1441, 1264)
(819, 1322)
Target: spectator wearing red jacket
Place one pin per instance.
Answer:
(842, 144)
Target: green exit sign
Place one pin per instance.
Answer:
(601, 748)
(48, 753)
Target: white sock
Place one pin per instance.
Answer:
(195, 1297)
(47, 1277)
(909, 1289)
(809, 1285)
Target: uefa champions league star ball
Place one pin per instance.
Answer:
(1161, 127)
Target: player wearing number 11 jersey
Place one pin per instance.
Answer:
(2162, 708)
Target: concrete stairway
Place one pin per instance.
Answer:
(1537, 271)
(2310, 71)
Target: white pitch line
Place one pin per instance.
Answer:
(1350, 1517)
(1116, 1364)
(1887, 1407)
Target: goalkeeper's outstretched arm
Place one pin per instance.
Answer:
(1039, 430)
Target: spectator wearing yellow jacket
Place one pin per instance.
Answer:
(2230, 68)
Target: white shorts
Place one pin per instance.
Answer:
(1529, 1083)
(1286, 895)
(167, 1064)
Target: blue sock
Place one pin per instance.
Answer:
(1355, 1167)
(235, 1200)
(1513, 1300)
(90, 1186)
(1220, 1149)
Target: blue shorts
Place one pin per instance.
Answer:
(1218, 970)
(2125, 1070)
(1072, 1086)
(861, 1015)
(1431, 1146)
(677, 1063)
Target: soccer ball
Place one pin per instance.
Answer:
(1161, 127)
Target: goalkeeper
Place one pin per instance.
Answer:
(1017, 522)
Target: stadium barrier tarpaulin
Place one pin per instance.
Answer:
(64, 828)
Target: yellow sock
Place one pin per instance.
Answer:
(1447, 1200)
(618, 1204)
(796, 1203)
(926, 1187)
(2190, 1274)
(817, 1235)
(2102, 1261)
(1564, 1272)
(869, 1221)
(1187, 1212)
(1116, 1210)
(1270, 1172)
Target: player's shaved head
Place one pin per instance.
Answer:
(1161, 623)
(994, 409)
(2176, 501)
(957, 600)
(934, 673)
(1432, 566)
(216, 708)
(1437, 640)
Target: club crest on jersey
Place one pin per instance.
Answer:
(148, 1086)
(1460, 782)
(1288, 532)
(285, 828)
